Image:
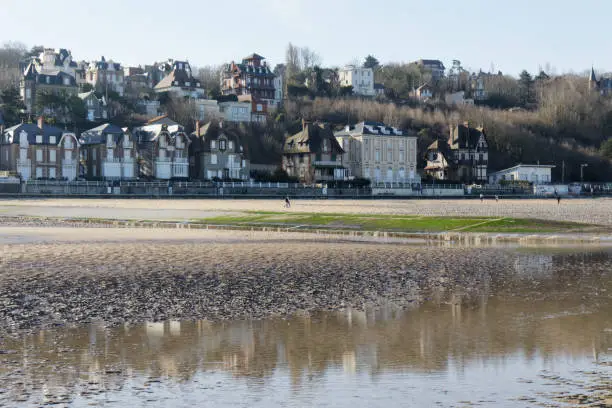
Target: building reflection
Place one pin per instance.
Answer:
(457, 327)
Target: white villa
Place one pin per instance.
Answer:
(109, 153)
(361, 79)
(379, 153)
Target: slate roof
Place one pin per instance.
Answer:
(253, 56)
(56, 76)
(98, 134)
(431, 63)
(309, 140)
(182, 76)
(33, 130)
(201, 141)
(371, 128)
(104, 65)
(151, 131)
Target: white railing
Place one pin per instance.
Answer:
(163, 159)
(181, 160)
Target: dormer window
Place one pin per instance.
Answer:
(222, 144)
(213, 144)
(231, 145)
(52, 140)
(39, 139)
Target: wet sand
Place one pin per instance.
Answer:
(49, 276)
(591, 211)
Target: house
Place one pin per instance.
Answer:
(148, 108)
(462, 157)
(435, 67)
(457, 98)
(52, 72)
(423, 92)
(163, 148)
(39, 151)
(313, 154)
(534, 173)
(603, 86)
(180, 82)
(379, 89)
(207, 109)
(136, 82)
(378, 152)
(236, 112)
(106, 76)
(361, 79)
(252, 81)
(108, 152)
(216, 152)
(96, 107)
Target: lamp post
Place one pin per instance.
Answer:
(582, 166)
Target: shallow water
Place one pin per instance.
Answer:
(541, 329)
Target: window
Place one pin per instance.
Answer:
(231, 145)
(377, 155)
(67, 155)
(109, 154)
(93, 154)
(213, 159)
(39, 139)
(52, 156)
(222, 144)
(39, 155)
(259, 107)
(48, 80)
(243, 163)
(52, 140)
(213, 144)
(39, 172)
(389, 155)
(67, 81)
(402, 156)
(52, 172)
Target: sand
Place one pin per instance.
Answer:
(592, 211)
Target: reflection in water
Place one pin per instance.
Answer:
(546, 311)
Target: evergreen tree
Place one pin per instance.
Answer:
(371, 62)
(526, 94)
(12, 106)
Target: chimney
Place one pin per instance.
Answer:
(197, 129)
(41, 122)
(304, 123)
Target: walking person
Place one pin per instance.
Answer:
(558, 199)
(287, 202)
(481, 197)
(496, 198)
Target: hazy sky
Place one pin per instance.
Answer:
(508, 35)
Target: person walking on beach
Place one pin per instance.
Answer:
(287, 202)
(496, 198)
(558, 199)
(481, 197)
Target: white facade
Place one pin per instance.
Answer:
(278, 89)
(379, 153)
(533, 173)
(361, 79)
(235, 111)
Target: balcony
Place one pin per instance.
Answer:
(326, 163)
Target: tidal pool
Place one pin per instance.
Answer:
(539, 334)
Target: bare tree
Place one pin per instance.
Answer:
(309, 58)
(11, 54)
(209, 77)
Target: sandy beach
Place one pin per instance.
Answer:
(592, 211)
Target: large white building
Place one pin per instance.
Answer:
(379, 153)
(534, 173)
(361, 79)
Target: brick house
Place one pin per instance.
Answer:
(39, 151)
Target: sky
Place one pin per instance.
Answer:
(564, 35)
